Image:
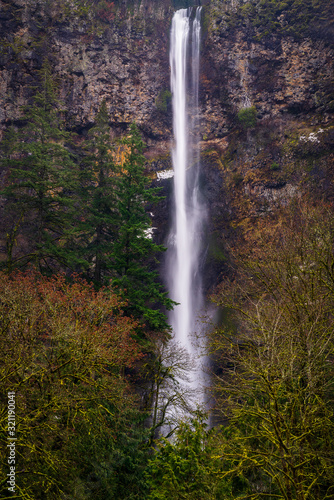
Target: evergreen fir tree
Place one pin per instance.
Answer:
(134, 252)
(41, 178)
(97, 179)
(113, 230)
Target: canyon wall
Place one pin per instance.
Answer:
(266, 93)
(267, 105)
(114, 52)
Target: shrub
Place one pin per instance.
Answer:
(247, 117)
(163, 100)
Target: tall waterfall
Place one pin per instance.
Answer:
(189, 212)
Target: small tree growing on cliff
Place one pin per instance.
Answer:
(247, 117)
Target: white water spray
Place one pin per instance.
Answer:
(184, 251)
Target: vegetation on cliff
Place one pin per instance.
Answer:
(296, 18)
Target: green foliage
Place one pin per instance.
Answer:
(274, 166)
(95, 14)
(276, 381)
(112, 459)
(39, 208)
(192, 465)
(237, 178)
(134, 251)
(186, 467)
(64, 348)
(295, 18)
(163, 100)
(247, 117)
(97, 225)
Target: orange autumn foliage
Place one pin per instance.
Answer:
(46, 309)
(64, 347)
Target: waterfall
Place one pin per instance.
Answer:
(185, 238)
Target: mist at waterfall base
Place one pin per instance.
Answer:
(184, 244)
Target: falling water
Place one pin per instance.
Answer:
(184, 251)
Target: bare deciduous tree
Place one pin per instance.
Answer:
(276, 379)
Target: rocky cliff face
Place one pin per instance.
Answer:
(267, 107)
(117, 52)
(266, 92)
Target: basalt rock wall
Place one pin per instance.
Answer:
(117, 51)
(267, 111)
(266, 93)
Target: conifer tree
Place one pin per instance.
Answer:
(134, 251)
(41, 180)
(97, 195)
(187, 467)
